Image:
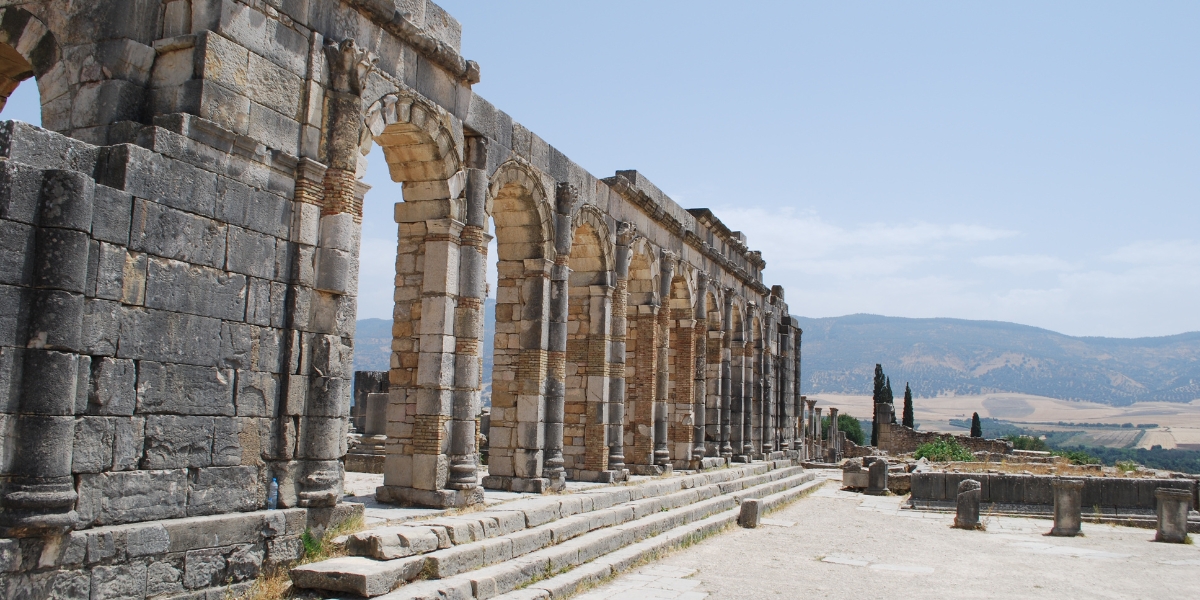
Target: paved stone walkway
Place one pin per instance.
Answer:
(650, 582)
(837, 544)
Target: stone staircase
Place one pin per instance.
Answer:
(549, 546)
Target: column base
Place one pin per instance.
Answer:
(1065, 532)
(407, 496)
(612, 476)
(532, 485)
(651, 470)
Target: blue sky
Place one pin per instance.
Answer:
(1018, 161)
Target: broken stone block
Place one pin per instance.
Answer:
(750, 514)
(967, 504)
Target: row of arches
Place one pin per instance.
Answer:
(598, 328)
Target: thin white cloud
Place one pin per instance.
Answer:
(1024, 263)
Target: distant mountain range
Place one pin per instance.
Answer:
(942, 356)
(948, 356)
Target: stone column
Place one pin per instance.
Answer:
(748, 385)
(967, 505)
(817, 437)
(831, 452)
(768, 393)
(620, 329)
(726, 372)
(662, 455)
(786, 428)
(1068, 497)
(700, 388)
(39, 498)
(565, 198)
(1172, 510)
(799, 400)
(468, 330)
(814, 429)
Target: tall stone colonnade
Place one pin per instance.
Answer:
(193, 226)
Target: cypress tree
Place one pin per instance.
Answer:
(908, 407)
(976, 426)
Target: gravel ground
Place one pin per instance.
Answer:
(837, 544)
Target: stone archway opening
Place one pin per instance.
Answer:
(589, 305)
(681, 371)
(641, 356)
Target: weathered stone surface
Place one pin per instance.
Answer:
(357, 575)
(93, 451)
(113, 386)
(129, 438)
(181, 287)
(169, 233)
(204, 568)
(218, 490)
(132, 496)
(169, 337)
(111, 215)
(184, 389)
(164, 576)
(178, 442)
(257, 394)
(393, 542)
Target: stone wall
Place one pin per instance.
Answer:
(897, 439)
(1004, 488)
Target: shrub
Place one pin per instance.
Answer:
(848, 424)
(943, 449)
(1078, 457)
(1027, 442)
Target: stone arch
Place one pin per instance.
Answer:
(589, 331)
(641, 351)
(29, 49)
(681, 365)
(713, 330)
(421, 141)
(523, 226)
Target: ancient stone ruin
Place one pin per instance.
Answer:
(179, 275)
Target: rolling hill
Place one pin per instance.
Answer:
(955, 356)
(949, 356)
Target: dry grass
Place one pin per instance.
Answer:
(275, 583)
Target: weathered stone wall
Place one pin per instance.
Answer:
(180, 264)
(898, 439)
(1006, 488)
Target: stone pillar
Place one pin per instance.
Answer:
(786, 402)
(814, 429)
(768, 397)
(662, 455)
(877, 477)
(737, 403)
(39, 498)
(831, 452)
(1172, 509)
(565, 198)
(967, 514)
(726, 373)
(748, 384)
(818, 445)
(700, 387)
(797, 398)
(616, 393)
(1068, 496)
(468, 331)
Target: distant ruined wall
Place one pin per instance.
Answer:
(898, 439)
(178, 279)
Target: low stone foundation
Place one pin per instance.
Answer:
(173, 558)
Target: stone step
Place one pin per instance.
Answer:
(447, 547)
(583, 562)
(577, 510)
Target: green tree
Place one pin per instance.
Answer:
(908, 408)
(976, 426)
(847, 424)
